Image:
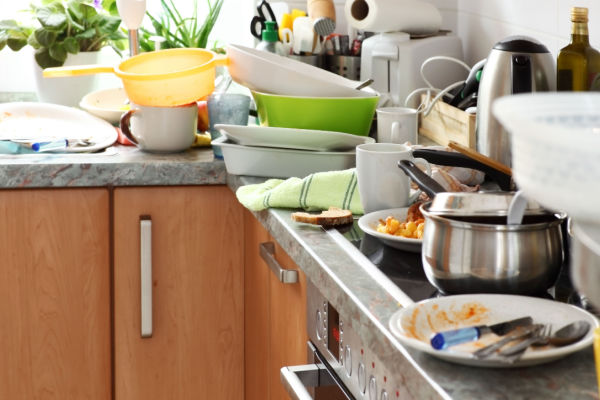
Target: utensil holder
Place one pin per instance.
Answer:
(347, 66)
(314, 60)
(446, 123)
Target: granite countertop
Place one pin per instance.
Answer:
(359, 290)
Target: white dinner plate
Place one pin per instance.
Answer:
(368, 223)
(414, 325)
(289, 138)
(44, 122)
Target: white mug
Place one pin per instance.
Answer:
(397, 125)
(161, 129)
(381, 184)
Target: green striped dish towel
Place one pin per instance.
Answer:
(318, 191)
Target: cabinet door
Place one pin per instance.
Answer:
(256, 311)
(275, 317)
(54, 280)
(287, 323)
(196, 348)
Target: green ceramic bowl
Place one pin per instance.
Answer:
(339, 114)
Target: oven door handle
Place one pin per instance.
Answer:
(297, 378)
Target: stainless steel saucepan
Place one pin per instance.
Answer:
(471, 249)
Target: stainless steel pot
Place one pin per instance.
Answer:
(585, 260)
(479, 253)
(461, 255)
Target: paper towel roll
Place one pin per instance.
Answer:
(410, 16)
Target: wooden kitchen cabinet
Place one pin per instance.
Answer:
(197, 346)
(275, 317)
(54, 279)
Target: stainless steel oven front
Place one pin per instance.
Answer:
(339, 365)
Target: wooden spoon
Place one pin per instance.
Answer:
(480, 157)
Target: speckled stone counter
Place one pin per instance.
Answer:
(358, 290)
(116, 166)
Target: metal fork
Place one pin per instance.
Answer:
(514, 353)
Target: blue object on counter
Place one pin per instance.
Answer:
(8, 147)
(49, 146)
(442, 340)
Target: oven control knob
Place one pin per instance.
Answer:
(372, 388)
(362, 378)
(319, 324)
(384, 395)
(348, 360)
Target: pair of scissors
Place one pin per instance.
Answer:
(265, 13)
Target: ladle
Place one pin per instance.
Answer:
(516, 209)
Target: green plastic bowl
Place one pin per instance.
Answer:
(339, 114)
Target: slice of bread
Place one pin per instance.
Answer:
(333, 216)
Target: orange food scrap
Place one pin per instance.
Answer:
(412, 325)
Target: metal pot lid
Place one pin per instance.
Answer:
(475, 204)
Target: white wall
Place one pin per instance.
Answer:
(480, 24)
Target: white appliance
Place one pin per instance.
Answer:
(393, 60)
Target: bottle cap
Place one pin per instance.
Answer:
(269, 34)
(579, 14)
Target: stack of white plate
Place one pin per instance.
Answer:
(285, 152)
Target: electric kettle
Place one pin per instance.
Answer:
(517, 64)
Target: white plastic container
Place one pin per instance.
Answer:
(281, 163)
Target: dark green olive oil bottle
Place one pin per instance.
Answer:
(578, 64)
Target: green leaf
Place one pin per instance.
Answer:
(75, 9)
(8, 24)
(88, 34)
(71, 45)
(58, 52)
(16, 44)
(44, 60)
(45, 37)
(108, 23)
(32, 41)
(2, 40)
(51, 18)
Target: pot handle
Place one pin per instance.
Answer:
(221, 60)
(453, 159)
(77, 70)
(124, 125)
(425, 182)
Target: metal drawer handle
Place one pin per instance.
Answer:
(146, 275)
(267, 253)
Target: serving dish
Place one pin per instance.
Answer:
(108, 104)
(554, 143)
(46, 122)
(288, 138)
(368, 223)
(280, 163)
(339, 114)
(268, 72)
(413, 325)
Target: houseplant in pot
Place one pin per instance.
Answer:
(65, 32)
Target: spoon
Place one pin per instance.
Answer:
(569, 333)
(363, 85)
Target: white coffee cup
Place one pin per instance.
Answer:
(397, 125)
(381, 184)
(161, 129)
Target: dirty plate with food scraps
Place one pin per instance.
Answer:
(368, 223)
(414, 325)
(47, 122)
(290, 138)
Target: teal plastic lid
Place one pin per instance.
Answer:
(269, 34)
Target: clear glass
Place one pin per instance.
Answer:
(226, 108)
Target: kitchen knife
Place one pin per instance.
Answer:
(442, 340)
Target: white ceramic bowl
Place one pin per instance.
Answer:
(108, 104)
(555, 144)
(271, 73)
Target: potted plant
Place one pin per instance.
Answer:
(178, 31)
(65, 32)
